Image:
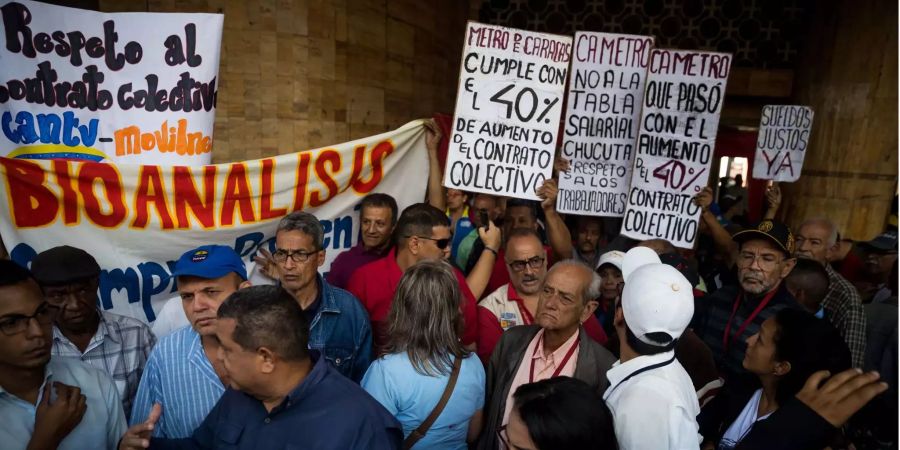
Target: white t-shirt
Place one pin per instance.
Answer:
(743, 424)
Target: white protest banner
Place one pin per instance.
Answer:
(135, 88)
(137, 220)
(679, 122)
(600, 129)
(781, 145)
(507, 110)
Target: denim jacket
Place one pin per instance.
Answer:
(341, 332)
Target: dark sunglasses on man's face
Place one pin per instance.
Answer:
(440, 243)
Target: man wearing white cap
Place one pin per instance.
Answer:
(651, 396)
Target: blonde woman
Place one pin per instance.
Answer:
(423, 347)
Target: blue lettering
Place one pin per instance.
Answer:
(116, 280)
(52, 129)
(149, 271)
(240, 244)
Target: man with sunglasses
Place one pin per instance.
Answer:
(116, 344)
(423, 232)
(516, 303)
(339, 326)
(47, 402)
(728, 317)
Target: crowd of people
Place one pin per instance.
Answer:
(468, 321)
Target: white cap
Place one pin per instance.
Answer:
(657, 298)
(614, 257)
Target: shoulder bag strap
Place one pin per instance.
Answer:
(419, 433)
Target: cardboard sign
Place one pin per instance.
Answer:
(507, 110)
(136, 88)
(679, 122)
(137, 220)
(601, 126)
(784, 132)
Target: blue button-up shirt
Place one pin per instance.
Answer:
(103, 422)
(180, 378)
(325, 411)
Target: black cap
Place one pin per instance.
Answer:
(63, 264)
(681, 263)
(884, 242)
(775, 232)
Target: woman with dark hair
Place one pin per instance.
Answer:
(558, 413)
(425, 360)
(790, 346)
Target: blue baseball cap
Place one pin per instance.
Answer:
(210, 261)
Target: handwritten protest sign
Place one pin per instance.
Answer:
(680, 119)
(601, 125)
(507, 110)
(128, 88)
(783, 138)
(136, 220)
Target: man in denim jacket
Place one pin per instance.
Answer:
(339, 325)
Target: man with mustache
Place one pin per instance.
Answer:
(515, 303)
(725, 319)
(377, 218)
(183, 373)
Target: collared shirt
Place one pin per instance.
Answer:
(341, 331)
(844, 309)
(101, 427)
(325, 411)
(348, 261)
(503, 309)
(544, 365)
(375, 283)
(170, 318)
(313, 309)
(180, 377)
(656, 408)
(120, 347)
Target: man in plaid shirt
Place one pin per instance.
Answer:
(817, 240)
(115, 344)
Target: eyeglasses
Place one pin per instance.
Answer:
(765, 262)
(14, 324)
(298, 256)
(440, 243)
(519, 264)
(58, 296)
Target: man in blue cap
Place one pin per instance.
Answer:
(183, 372)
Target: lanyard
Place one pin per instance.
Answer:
(559, 367)
(527, 318)
(737, 302)
(640, 371)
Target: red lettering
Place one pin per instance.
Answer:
(187, 197)
(376, 160)
(33, 205)
(302, 181)
(265, 201)
(237, 193)
(69, 194)
(112, 188)
(333, 159)
(151, 190)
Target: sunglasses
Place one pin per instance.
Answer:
(440, 243)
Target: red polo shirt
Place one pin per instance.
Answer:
(374, 285)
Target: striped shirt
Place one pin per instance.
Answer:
(120, 347)
(843, 308)
(180, 378)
